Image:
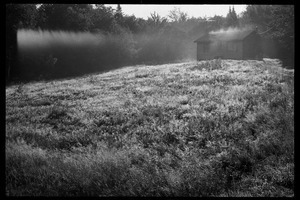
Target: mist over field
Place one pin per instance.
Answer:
(40, 38)
(79, 53)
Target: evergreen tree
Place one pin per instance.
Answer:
(235, 21)
(119, 15)
(231, 18)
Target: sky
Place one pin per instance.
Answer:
(143, 11)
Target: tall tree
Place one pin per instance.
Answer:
(283, 30)
(231, 18)
(79, 17)
(176, 15)
(275, 22)
(258, 15)
(119, 15)
(102, 18)
(217, 22)
(131, 23)
(65, 17)
(17, 16)
(235, 21)
(156, 21)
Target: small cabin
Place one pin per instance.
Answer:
(231, 44)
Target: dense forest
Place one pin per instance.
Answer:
(126, 40)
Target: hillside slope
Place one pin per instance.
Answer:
(218, 128)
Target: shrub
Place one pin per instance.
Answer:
(208, 65)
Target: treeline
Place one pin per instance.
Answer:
(127, 39)
(277, 28)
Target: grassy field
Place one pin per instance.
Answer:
(218, 128)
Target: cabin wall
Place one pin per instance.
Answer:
(226, 50)
(203, 51)
(252, 48)
(234, 50)
(269, 48)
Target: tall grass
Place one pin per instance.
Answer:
(224, 132)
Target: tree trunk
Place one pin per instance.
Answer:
(11, 53)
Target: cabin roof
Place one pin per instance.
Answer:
(225, 35)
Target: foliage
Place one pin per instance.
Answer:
(231, 18)
(20, 16)
(156, 22)
(64, 17)
(176, 15)
(275, 22)
(284, 31)
(259, 15)
(102, 19)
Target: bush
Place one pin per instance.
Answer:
(208, 65)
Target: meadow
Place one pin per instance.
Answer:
(209, 128)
